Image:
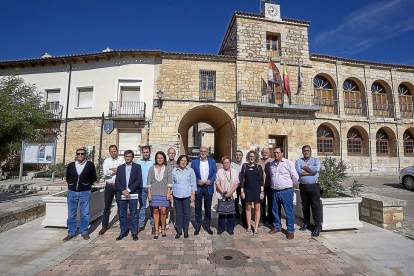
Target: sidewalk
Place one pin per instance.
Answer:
(33, 249)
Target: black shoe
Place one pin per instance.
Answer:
(135, 237)
(185, 235)
(197, 231)
(303, 227)
(121, 236)
(230, 233)
(219, 232)
(68, 237)
(178, 235)
(316, 233)
(208, 230)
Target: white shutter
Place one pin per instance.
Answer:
(85, 97)
(130, 94)
(53, 96)
(129, 141)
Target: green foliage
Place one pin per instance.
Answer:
(99, 168)
(59, 170)
(22, 113)
(331, 176)
(355, 188)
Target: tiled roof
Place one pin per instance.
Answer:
(362, 62)
(197, 55)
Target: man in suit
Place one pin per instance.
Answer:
(80, 176)
(205, 170)
(128, 182)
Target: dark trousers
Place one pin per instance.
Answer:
(236, 202)
(123, 212)
(203, 194)
(266, 200)
(311, 198)
(109, 194)
(182, 209)
(226, 221)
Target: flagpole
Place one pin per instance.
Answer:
(283, 81)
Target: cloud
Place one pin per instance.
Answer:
(368, 26)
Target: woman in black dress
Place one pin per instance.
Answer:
(252, 190)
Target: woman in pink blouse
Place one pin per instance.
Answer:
(227, 181)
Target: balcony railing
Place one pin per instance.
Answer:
(277, 98)
(327, 105)
(383, 110)
(55, 110)
(355, 108)
(127, 110)
(407, 110)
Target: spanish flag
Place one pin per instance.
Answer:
(286, 81)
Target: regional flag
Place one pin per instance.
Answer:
(300, 79)
(286, 81)
(273, 75)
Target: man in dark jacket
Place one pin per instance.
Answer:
(80, 176)
(128, 182)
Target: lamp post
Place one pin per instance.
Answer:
(159, 95)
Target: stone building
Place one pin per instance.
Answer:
(358, 111)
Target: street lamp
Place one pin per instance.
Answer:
(159, 101)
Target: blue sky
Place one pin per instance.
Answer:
(372, 30)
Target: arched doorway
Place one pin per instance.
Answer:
(219, 120)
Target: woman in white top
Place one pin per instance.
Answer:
(227, 181)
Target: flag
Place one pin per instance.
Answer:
(273, 75)
(286, 81)
(300, 79)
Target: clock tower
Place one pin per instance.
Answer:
(271, 11)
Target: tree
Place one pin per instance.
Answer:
(22, 114)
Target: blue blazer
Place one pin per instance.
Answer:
(195, 165)
(135, 180)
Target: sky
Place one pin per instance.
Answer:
(371, 30)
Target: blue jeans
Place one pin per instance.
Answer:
(182, 208)
(143, 196)
(283, 198)
(82, 199)
(123, 212)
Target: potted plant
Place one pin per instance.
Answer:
(339, 211)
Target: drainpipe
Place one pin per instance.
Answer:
(67, 111)
(369, 121)
(339, 111)
(395, 118)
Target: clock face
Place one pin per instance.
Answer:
(272, 11)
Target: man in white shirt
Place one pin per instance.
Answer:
(110, 166)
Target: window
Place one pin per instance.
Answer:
(52, 99)
(274, 92)
(353, 100)
(324, 95)
(129, 140)
(408, 143)
(406, 101)
(355, 143)
(278, 141)
(84, 97)
(383, 143)
(325, 140)
(207, 85)
(272, 45)
(129, 95)
(379, 100)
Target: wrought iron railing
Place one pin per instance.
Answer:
(355, 108)
(407, 110)
(55, 110)
(327, 105)
(383, 110)
(131, 110)
(277, 98)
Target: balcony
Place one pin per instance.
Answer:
(383, 110)
(273, 104)
(406, 110)
(55, 111)
(327, 105)
(355, 108)
(127, 110)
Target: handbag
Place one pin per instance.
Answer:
(226, 207)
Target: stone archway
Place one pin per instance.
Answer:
(224, 130)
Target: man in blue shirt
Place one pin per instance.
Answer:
(146, 162)
(308, 170)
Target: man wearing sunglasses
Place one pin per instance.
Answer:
(80, 176)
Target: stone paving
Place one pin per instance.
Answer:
(267, 255)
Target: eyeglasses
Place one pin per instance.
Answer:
(203, 152)
(80, 153)
(226, 163)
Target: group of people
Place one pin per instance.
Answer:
(168, 184)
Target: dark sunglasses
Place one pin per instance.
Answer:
(80, 153)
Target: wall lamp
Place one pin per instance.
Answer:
(159, 101)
